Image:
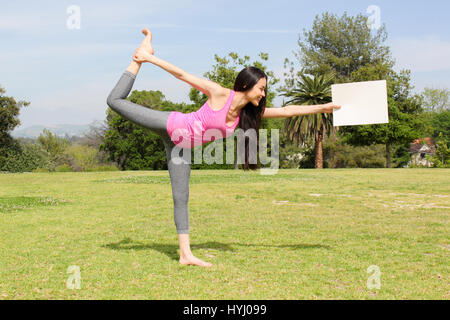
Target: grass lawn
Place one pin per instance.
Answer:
(298, 234)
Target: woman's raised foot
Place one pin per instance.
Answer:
(147, 42)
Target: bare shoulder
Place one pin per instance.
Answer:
(218, 92)
(207, 87)
(218, 98)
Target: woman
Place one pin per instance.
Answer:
(224, 110)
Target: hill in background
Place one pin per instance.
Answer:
(61, 130)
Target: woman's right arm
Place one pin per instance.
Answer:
(209, 88)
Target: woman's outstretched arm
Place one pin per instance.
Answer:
(296, 110)
(208, 87)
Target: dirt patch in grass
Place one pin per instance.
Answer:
(287, 203)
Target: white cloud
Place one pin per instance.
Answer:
(422, 54)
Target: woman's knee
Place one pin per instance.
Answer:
(110, 101)
(180, 197)
(114, 103)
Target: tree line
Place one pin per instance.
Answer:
(337, 49)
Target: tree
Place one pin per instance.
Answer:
(346, 48)
(339, 46)
(440, 123)
(54, 145)
(404, 109)
(436, 115)
(28, 157)
(95, 136)
(9, 119)
(435, 100)
(441, 159)
(435, 123)
(310, 91)
(83, 156)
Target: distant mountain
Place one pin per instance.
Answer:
(59, 129)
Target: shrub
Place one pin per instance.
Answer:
(102, 168)
(54, 145)
(291, 156)
(29, 157)
(64, 168)
(83, 156)
(441, 159)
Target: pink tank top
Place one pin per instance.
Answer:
(188, 130)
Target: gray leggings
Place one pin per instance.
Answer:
(156, 121)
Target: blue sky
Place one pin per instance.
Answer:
(67, 74)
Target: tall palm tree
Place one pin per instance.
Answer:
(310, 91)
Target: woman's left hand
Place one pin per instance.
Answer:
(329, 107)
(142, 55)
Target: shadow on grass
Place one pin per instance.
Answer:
(171, 250)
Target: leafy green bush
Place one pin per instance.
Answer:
(416, 166)
(340, 155)
(441, 159)
(308, 160)
(29, 157)
(38, 170)
(291, 156)
(102, 168)
(64, 168)
(54, 145)
(82, 157)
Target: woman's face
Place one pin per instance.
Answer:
(256, 93)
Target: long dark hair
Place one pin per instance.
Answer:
(250, 116)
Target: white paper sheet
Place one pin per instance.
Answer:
(361, 103)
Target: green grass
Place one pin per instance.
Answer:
(298, 234)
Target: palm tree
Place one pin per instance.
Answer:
(310, 91)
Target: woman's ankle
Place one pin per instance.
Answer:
(185, 245)
(186, 253)
(134, 67)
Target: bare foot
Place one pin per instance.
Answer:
(147, 42)
(193, 261)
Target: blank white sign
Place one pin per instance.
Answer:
(361, 103)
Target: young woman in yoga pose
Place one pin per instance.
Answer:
(225, 109)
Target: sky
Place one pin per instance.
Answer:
(66, 72)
